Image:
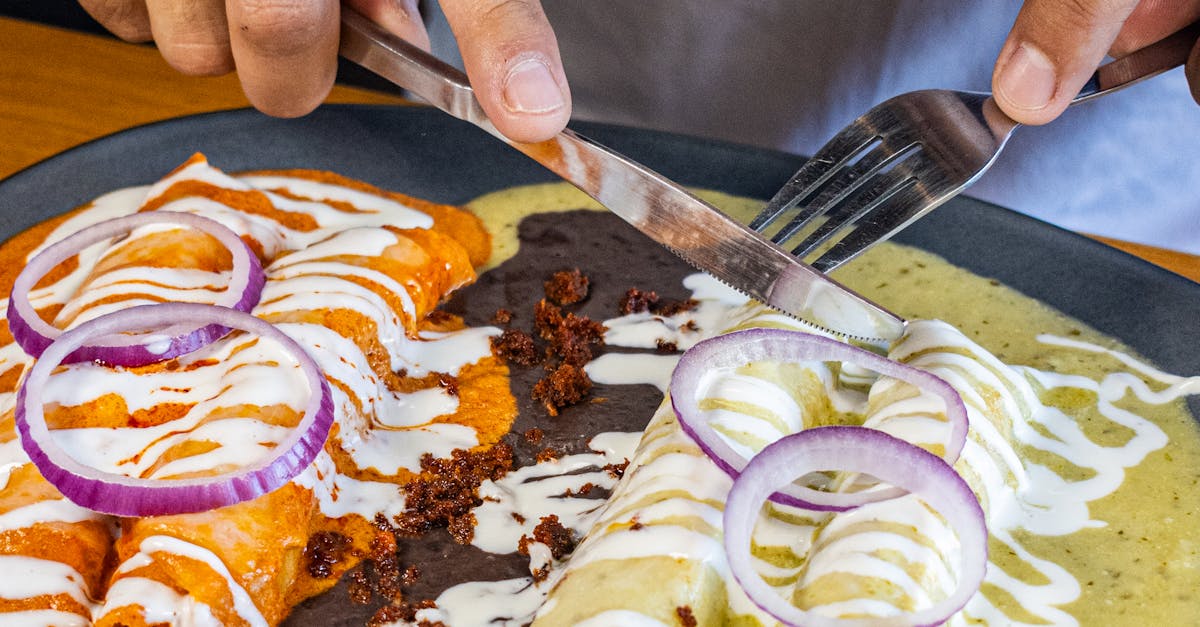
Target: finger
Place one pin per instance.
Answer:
(1053, 48)
(512, 58)
(400, 17)
(1192, 71)
(192, 36)
(285, 52)
(126, 19)
(1152, 20)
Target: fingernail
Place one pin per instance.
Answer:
(1028, 80)
(530, 88)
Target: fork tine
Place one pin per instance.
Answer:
(863, 212)
(903, 207)
(892, 151)
(827, 229)
(804, 215)
(848, 180)
(850, 141)
(811, 174)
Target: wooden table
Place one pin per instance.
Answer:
(61, 88)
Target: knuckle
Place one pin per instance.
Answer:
(502, 29)
(281, 27)
(1088, 13)
(502, 20)
(1126, 43)
(509, 11)
(126, 20)
(198, 59)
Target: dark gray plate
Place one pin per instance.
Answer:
(429, 154)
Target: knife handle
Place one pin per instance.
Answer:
(433, 80)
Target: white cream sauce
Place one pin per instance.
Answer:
(59, 510)
(45, 618)
(506, 603)
(12, 456)
(27, 577)
(160, 603)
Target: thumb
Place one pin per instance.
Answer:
(512, 58)
(1053, 48)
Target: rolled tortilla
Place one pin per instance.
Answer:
(353, 273)
(657, 552)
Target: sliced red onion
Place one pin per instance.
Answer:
(129, 496)
(744, 347)
(863, 450)
(33, 334)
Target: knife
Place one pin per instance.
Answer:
(694, 230)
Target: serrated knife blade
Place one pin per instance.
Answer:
(670, 215)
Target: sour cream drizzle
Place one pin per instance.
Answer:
(160, 603)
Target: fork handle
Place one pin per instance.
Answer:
(1163, 55)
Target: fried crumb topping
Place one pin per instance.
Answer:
(567, 287)
(325, 549)
(448, 488)
(516, 347)
(550, 532)
(565, 385)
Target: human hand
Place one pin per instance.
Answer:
(1056, 45)
(285, 51)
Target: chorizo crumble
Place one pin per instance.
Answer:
(550, 532)
(323, 551)
(572, 340)
(567, 287)
(448, 382)
(534, 435)
(403, 611)
(569, 342)
(502, 317)
(548, 455)
(515, 347)
(636, 301)
(565, 385)
(448, 489)
(617, 470)
(641, 301)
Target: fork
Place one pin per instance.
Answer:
(912, 153)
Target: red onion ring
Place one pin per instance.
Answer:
(33, 334)
(865, 450)
(743, 347)
(129, 496)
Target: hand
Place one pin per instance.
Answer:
(1056, 45)
(285, 51)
